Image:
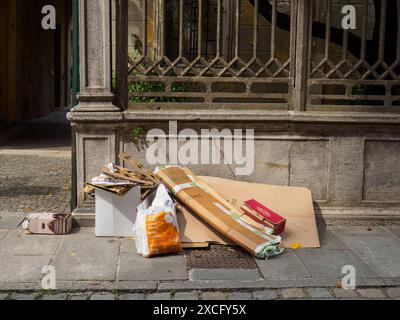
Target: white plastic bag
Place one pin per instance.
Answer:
(156, 228)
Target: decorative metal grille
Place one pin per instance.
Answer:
(266, 54)
(354, 69)
(209, 54)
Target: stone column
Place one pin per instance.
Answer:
(95, 118)
(95, 57)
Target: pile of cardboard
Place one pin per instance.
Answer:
(260, 218)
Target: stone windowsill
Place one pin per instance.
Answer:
(239, 115)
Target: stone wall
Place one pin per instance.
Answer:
(346, 165)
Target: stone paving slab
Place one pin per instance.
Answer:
(135, 267)
(18, 243)
(224, 274)
(3, 296)
(393, 281)
(285, 266)
(93, 259)
(345, 294)
(22, 268)
(393, 293)
(132, 297)
(265, 295)
(240, 296)
(263, 284)
(372, 293)
(293, 293)
(358, 231)
(395, 230)
(188, 296)
(3, 233)
(214, 296)
(102, 296)
(10, 221)
(329, 240)
(380, 251)
(54, 297)
(159, 296)
(23, 297)
(319, 293)
(79, 296)
(329, 263)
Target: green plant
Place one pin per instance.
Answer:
(137, 134)
(148, 86)
(359, 90)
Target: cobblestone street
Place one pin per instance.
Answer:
(269, 294)
(35, 183)
(35, 166)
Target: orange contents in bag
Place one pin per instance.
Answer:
(162, 234)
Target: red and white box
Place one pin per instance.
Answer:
(264, 216)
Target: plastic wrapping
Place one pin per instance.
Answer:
(156, 228)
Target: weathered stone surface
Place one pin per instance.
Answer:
(372, 293)
(340, 231)
(295, 293)
(3, 233)
(135, 267)
(209, 296)
(393, 293)
(393, 229)
(35, 183)
(265, 295)
(329, 263)
(159, 296)
(286, 266)
(20, 296)
(22, 268)
(95, 260)
(18, 243)
(102, 296)
(329, 240)
(309, 167)
(346, 294)
(95, 151)
(380, 249)
(190, 295)
(224, 274)
(273, 165)
(58, 296)
(79, 296)
(319, 293)
(132, 297)
(240, 296)
(10, 221)
(3, 296)
(382, 171)
(346, 171)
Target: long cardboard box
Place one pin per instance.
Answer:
(217, 212)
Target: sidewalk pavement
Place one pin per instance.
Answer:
(109, 268)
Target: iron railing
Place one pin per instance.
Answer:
(268, 54)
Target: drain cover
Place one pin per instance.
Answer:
(220, 257)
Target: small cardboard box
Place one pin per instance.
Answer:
(116, 215)
(48, 223)
(265, 216)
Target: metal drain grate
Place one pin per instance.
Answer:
(220, 257)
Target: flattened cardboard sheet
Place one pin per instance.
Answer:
(293, 203)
